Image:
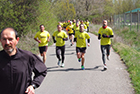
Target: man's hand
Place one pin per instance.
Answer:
(30, 90)
(39, 41)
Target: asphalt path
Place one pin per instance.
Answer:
(93, 80)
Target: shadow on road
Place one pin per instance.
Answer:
(65, 54)
(96, 68)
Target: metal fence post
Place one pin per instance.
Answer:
(138, 21)
(130, 20)
(124, 20)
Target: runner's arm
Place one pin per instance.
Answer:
(65, 39)
(99, 36)
(37, 40)
(75, 39)
(107, 36)
(88, 40)
(49, 38)
(54, 39)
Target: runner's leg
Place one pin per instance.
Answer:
(58, 53)
(63, 53)
(103, 54)
(83, 59)
(44, 56)
(108, 49)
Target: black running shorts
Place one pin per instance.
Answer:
(43, 49)
(82, 50)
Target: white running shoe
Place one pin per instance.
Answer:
(105, 67)
(62, 65)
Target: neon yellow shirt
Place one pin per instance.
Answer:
(69, 28)
(64, 24)
(43, 37)
(81, 39)
(76, 28)
(85, 26)
(59, 37)
(73, 24)
(87, 23)
(108, 31)
(61, 24)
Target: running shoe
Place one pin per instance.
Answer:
(82, 67)
(79, 59)
(62, 65)
(71, 44)
(59, 63)
(105, 67)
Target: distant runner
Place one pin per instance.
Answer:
(80, 39)
(87, 24)
(42, 37)
(59, 37)
(70, 32)
(105, 33)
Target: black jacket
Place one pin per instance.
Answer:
(16, 71)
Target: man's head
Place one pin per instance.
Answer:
(77, 24)
(42, 28)
(74, 21)
(59, 27)
(81, 28)
(104, 23)
(70, 22)
(9, 40)
(81, 21)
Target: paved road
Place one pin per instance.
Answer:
(72, 80)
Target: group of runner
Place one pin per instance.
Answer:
(76, 31)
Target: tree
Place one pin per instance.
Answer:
(64, 10)
(18, 14)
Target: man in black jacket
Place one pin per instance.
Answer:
(16, 66)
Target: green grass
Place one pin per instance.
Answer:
(131, 58)
(128, 47)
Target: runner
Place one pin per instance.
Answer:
(76, 28)
(74, 22)
(105, 33)
(85, 27)
(87, 24)
(70, 32)
(59, 37)
(80, 39)
(42, 37)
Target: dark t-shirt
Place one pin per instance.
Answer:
(16, 71)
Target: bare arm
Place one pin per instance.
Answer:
(37, 40)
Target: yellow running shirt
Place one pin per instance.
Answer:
(107, 31)
(69, 29)
(81, 39)
(76, 28)
(87, 24)
(43, 37)
(59, 37)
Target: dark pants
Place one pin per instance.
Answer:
(62, 50)
(103, 48)
(87, 29)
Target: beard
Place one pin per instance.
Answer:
(8, 48)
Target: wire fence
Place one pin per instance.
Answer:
(131, 20)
